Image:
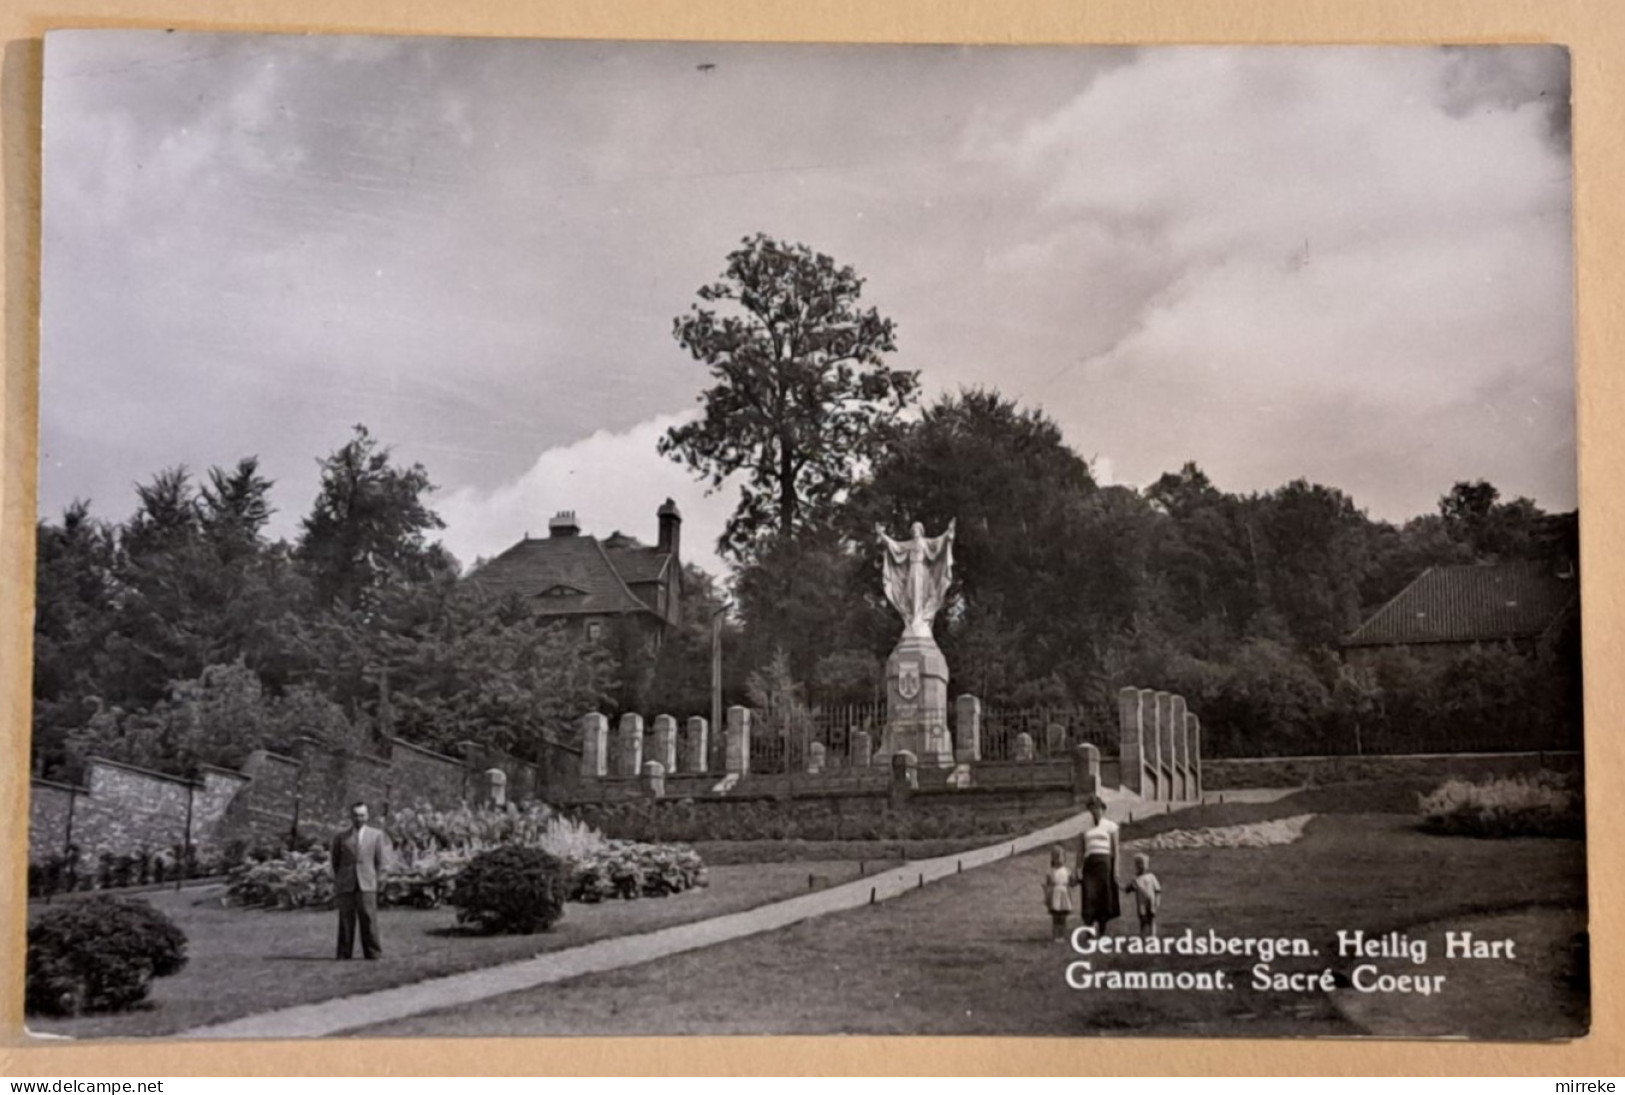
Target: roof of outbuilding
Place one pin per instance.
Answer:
(532, 567)
(1465, 604)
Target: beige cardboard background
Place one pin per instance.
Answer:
(1593, 29)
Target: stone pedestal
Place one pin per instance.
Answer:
(1085, 773)
(917, 704)
(665, 743)
(594, 746)
(629, 747)
(1173, 750)
(967, 729)
(696, 745)
(1193, 746)
(736, 760)
(905, 777)
(1131, 751)
(495, 791)
(862, 749)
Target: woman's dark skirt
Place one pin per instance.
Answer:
(1100, 902)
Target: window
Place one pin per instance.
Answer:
(560, 591)
(595, 630)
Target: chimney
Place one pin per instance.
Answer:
(671, 528)
(564, 524)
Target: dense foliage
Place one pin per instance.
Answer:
(183, 636)
(512, 890)
(99, 954)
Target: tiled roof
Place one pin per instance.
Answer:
(638, 564)
(532, 567)
(1464, 604)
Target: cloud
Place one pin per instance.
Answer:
(1350, 264)
(614, 481)
(1315, 244)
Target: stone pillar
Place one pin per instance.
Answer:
(1054, 740)
(917, 703)
(1182, 761)
(696, 757)
(629, 747)
(905, 776)
(1024, 746)
(967, 729)
(862, 749)
(665, 750)
(1193, 744)
(1085, 773)
(496, 788)
(594, 746)
(653, 779)
(815, 757)
(1173, 732)
(737, 757)
(1130, 754)
(1162, 704)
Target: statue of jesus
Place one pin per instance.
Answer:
(918, 571)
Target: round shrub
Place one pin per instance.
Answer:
(512, 890)
(99, 955)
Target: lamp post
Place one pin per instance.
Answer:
(717, 729)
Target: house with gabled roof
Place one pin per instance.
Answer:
(1525, 604)
(595, 584)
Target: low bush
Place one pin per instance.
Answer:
(1546, 804)
(512, 890)
(99, 954)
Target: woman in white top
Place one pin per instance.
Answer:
(1097, 869)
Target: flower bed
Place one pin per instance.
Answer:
(433, 847)
(1546, 804)
(1255, 834)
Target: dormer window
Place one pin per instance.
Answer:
(561, 591)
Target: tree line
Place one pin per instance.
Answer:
(1066, 589)
(184, 635)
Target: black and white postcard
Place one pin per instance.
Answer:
(553, 538)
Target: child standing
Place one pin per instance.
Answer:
(1147, 893)
(1058, 892)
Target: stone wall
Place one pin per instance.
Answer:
(124, 810)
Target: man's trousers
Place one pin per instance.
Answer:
(358, 907)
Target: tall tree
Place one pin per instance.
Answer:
(1042, 555)
(802, 391)
(234, 506)
(1312, 539)
(369, 524)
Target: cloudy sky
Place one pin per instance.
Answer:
(1347, 264)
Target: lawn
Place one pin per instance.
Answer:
(248, 960)
(971, 954)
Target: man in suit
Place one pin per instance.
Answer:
(360, 854)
